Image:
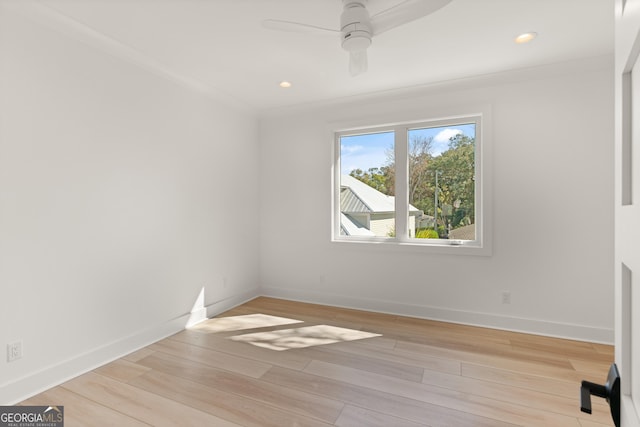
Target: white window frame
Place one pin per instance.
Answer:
(482, 245)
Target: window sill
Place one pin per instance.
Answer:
(440, 247)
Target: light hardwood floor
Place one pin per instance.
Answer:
(414, 373)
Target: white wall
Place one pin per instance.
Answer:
(122, 195)
(552, 216)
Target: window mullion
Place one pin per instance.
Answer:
(401, 184)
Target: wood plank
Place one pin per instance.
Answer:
(604, 349)
(553, 387)
(80, 411)
(592, 371)
(394, 369)
(542, 400)
(514, 363)
(387, 403)
(309, 405)
(121, 370)
(226, 361)
(140, 404)
(478, 405)
(377, 343)
(223, 404)
(586, 423)
(286, 359)
(353, 416)
(563, 348)
(137, 355)
(545, 384)
(450, 366)
(246, 322)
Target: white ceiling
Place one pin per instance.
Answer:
(221, 45)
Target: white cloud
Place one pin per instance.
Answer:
(441, 140)
(350, 149)
(445, 134)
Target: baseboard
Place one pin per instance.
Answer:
(51, 376)
(488, 320)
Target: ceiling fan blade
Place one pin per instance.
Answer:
(402, 13)
(296, 27)
(357, 62)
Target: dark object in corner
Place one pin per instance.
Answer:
(610, 391)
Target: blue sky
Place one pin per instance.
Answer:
(370, 150)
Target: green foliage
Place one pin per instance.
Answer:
(456, 181)
(427, 233)
(460, 218)
(378, 178)
(392, 232)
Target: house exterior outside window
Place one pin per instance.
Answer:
(417, 184)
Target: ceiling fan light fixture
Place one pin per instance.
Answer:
(356, 41)
(357, 27)
(526, 37)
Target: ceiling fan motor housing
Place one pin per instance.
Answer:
(356, 27)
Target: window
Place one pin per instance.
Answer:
(411, 184)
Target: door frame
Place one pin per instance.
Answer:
(627, 214)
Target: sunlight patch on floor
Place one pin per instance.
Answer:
(308, 336)
(239, 323)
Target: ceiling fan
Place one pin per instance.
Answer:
(357, 28)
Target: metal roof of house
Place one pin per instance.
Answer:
(351, 227)
(358, 197)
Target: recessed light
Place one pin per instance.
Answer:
(526, 37)
(285, 84)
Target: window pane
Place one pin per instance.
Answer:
(442, 182)
(367, 185)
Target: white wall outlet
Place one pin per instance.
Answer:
(14, 351)
(506, 297)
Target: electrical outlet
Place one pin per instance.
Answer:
(506, 297)
(14, 351)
